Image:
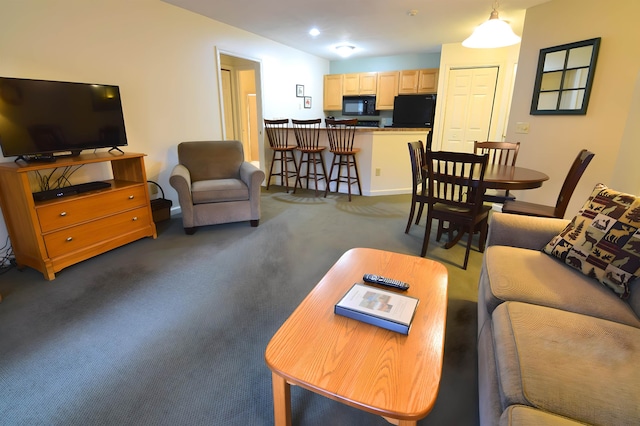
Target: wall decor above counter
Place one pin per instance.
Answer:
(384, 85)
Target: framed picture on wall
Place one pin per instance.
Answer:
(299, 91)
(307, 102)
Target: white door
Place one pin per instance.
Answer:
(468, 107)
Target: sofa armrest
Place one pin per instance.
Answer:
(528, 232)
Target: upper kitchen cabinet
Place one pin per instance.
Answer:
(418, 81)
(363, 83)
(333, 87)
(387, 89)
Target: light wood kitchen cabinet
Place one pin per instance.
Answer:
(428, 80)
(387, 89)
(368, 83)
(418, 81)
(363, 83)
(333, 88)
(53, 234)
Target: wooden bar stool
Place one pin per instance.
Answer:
(278, 135)
(341, 134)
(307, 137)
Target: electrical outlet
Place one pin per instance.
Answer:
(522, 127)
(377, 172)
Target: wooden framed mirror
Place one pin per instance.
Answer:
(564, 78)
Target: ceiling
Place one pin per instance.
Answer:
(375, 27)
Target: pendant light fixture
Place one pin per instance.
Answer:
(493, 33)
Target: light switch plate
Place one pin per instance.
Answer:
(522, 127)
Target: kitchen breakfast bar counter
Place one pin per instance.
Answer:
(383, 160)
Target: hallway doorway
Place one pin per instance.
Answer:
(239, 82)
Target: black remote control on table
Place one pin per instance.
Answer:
(377, 279)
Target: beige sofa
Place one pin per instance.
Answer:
(555, 347)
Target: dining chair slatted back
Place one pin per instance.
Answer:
(576, 171)
(278, 135)
(307, 133)
(341, 135)
(419, 181)
(500, 153)
(455, 188)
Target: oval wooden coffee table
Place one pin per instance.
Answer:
(389, 374)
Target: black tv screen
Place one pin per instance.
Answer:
(42, 117)
(414, 111)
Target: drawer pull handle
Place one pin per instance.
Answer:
(63, 214)
(131, 197)
(135, 218)
(69, 238)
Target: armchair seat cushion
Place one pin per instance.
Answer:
(219, 191)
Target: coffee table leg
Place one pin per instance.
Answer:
(281, 400)
(401, 422)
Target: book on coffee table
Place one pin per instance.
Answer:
(382, 308)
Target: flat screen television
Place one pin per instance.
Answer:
(41, 119)
(414, 111)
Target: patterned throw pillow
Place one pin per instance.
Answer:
(603, 240)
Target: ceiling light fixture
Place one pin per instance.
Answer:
(314, 32)
(493, 33)
(345, 50)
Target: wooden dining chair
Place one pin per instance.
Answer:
(571, 181)
(307, 134)
(341, 134)
(455, 186)
(419, 181)
(500, 153)
(278, 135)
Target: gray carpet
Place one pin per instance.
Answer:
(172, 331)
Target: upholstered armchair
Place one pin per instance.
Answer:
(215, 185)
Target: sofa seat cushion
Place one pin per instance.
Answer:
(572, 365)
(521, 415)
(219, 191)
(516, 274)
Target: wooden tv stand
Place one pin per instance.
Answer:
(53, 234)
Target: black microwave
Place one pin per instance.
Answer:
(359, 105)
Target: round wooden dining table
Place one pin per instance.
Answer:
(512, 177)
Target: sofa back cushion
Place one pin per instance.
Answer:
(603, 239)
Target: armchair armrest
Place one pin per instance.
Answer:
(251, 176)
(528, 232)
(180, 180)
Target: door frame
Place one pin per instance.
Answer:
(502, 103)
(245, 62)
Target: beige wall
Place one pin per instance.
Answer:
(610, 127)
(162, 57)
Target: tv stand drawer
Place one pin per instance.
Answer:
(76, 210)
(79, 237)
